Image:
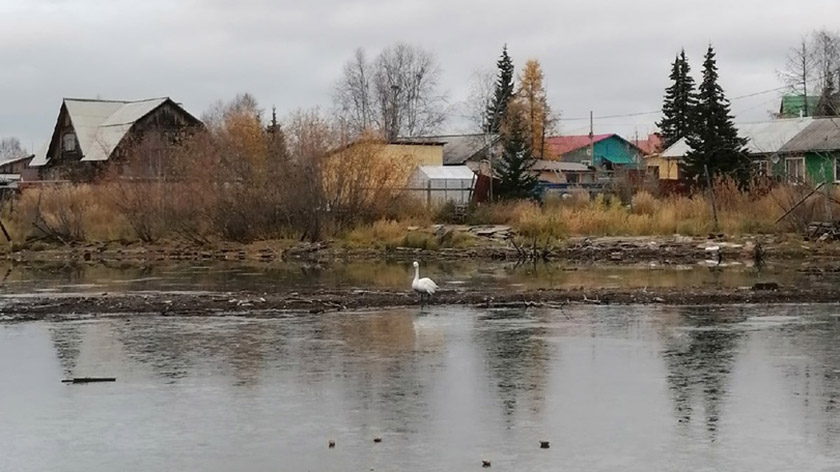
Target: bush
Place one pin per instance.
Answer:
(65, 214)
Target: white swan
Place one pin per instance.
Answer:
(424, 286)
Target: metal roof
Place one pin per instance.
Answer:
(15, 159)
(559, 145)
(100, 125)
(40, 158)
(459, 148)
(447, 172)
(766, 137)
(676, 150)
(822, 134)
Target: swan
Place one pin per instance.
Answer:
(424, 286)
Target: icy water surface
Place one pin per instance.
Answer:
(611, 388)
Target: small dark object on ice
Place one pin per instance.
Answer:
(485, 464)
(332, 444)
(377, 440)
(79, 380)
(544, 445)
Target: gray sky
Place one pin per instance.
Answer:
(610, 56)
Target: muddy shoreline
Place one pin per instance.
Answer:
(811, 258)
(671, 250)
(64, 307)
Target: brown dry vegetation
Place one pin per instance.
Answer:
(243, 181)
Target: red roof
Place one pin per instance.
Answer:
(652, 144)
(559, 145)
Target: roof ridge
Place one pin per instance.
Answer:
(124, 102)
(580, 135)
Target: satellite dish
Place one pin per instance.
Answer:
(775, 159)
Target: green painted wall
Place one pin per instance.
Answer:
(819, 167)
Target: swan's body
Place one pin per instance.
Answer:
(425, 286)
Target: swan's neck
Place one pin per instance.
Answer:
(416, 273)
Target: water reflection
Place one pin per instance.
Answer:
(67, 340)
(517, 358)
(699, 358)
(630, 387)
(393, 275)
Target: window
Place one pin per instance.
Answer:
(653, 171)
(837, 169)
(795, 169)
(69, 143)
(762, 168)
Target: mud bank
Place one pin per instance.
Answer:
(614, 250)
(83, 306)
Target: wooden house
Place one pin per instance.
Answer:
(88, 134)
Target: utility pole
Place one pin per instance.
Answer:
(592, 144)
(805, 77)
(394, 132)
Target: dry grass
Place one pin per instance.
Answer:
(65, 213)
(72, 213)
(738, 213)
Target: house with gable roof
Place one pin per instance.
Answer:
(803, 149)
(89, 133)
(611, 151)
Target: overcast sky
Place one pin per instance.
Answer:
(610, 56)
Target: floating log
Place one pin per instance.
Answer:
(79, 380)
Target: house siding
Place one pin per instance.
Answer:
(669, 169)
(612, 147)
(819, 166)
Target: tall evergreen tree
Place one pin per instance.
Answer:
(713, 139)
(502, 96)
(514, 167)
(680, 99)
(829, 100)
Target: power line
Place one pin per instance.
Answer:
(637, 114)
(654, 112)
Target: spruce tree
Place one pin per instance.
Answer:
(680, 99)
(827, 106)
(496, 110)
(713, 139)
(514, 167)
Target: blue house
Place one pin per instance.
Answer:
(611, 151)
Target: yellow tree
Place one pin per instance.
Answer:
(534, 104)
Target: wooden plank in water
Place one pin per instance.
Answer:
(89, 380)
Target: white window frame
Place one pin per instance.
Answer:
(788, 177)
(836, 163)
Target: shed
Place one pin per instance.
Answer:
(559, 172)
(438, 184)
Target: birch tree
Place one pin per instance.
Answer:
(396, 94)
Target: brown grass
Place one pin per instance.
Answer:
(739, 213)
